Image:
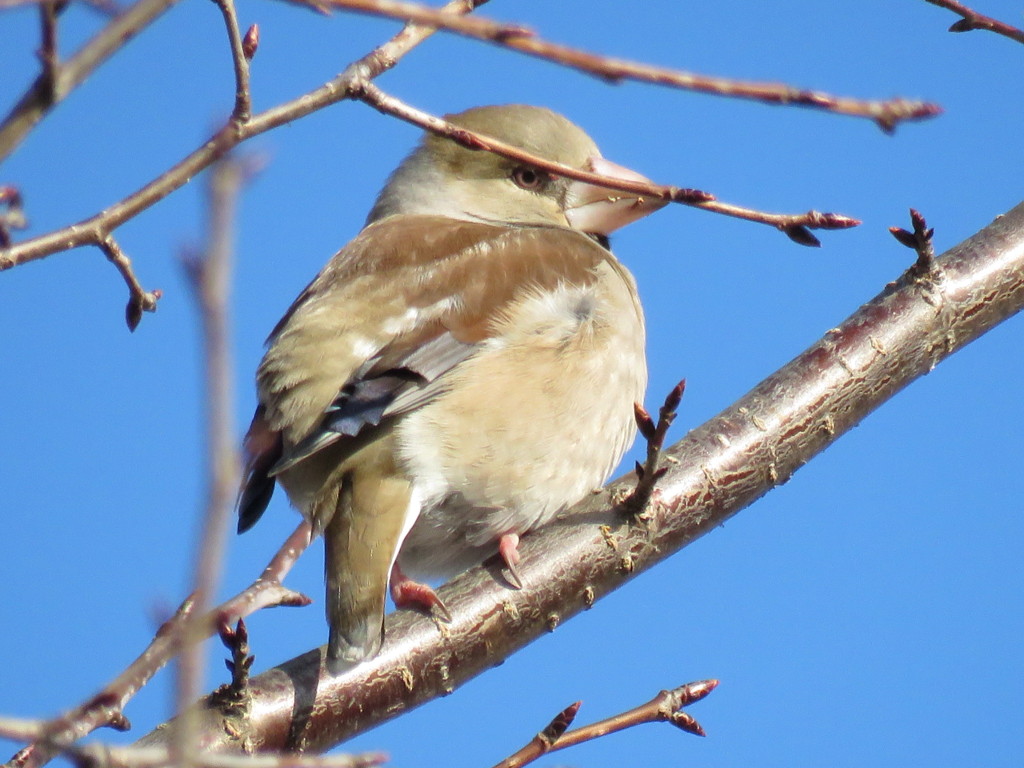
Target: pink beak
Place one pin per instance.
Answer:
(599, 210)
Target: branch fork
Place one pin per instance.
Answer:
(667, 707)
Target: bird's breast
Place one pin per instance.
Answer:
(533, 421)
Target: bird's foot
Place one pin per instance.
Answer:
(508, 548)
(407, 593)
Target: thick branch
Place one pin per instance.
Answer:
(887, 114)
(719, 468)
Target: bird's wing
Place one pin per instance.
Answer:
(373, 336)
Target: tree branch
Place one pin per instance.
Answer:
(886, 114)
(243, 101)
(106, 707)
(92, 230)
(920, 240)
(55, 82)
(12, 213)
(667, 707)
(973, 20)
(210, 276)
(104, 756)
(139, 299)
(48, 54)
(718, 468)
(650, 472)
(794, 226)
(97, 229)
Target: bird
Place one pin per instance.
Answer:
(460, 373)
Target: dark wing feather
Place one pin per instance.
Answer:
(262, 452)
(375, 394)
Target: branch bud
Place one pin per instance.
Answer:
(251, 42)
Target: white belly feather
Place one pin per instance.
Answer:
(483, 471)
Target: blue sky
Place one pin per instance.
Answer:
(870, 611)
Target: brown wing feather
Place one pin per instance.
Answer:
(410, 295)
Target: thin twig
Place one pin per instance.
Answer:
(243, 100)
(105, 708)
(12, 213)
(236, 640)
(545, 740)
(886, 114)
(268, 590)
(105, 756)
(210, 277)
(42, 96)
(920, 240)
(649, 473)
(48, 55)
(973, 20)
(21, 729)
(795, 226)
(139, 299)
(665, 707)
(90, 231)
(106, 7)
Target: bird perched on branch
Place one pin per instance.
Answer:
(459, 373)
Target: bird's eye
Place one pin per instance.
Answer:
(528, 178)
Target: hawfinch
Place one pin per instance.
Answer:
(458, 374)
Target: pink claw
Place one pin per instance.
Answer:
(508, 548)
(407, 593)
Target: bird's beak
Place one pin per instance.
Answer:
(599, 210)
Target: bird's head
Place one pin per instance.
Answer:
(443, 178)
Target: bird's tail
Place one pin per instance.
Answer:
(375, 512)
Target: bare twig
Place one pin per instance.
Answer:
(667, 707)
(21, 729)
(92, 230)
(210, 276)
(107, 7)
(53, 85)
(12, 213)
(48, 55)
(920, 240)
(232, 699)
(139, 299)
(240, 58)
(649, 472)
(237, 641)
(544, 741)
(973, 20)
(105, 708)
(104, 756)
(267, 591)
(795, 226)
(887, 114)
